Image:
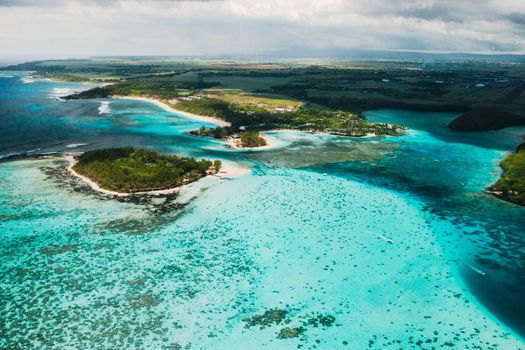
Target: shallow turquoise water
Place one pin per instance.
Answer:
(390, 236)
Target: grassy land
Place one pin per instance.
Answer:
(132, 170)
(270, 103)
(511, 185)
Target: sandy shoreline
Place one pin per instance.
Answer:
(227, 171)
(170, 109)
(235, 143)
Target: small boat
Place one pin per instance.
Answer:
(386, 239)
(477, 270)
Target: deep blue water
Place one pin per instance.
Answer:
(306, 231)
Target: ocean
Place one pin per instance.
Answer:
(350, 243)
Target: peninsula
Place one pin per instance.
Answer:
(241, 117)
(511, 184)
(130, 170)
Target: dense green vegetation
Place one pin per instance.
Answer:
(307, 119)
(485, 118)
(136, 170)
(511, 185)
(252, 138)
(213, 108)
(159, 89)
(219, 132)
(248, 138)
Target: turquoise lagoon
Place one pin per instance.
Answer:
(392, 237)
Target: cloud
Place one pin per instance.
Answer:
(25, 2)
(517, 18)
(192, 27)
(43, 3)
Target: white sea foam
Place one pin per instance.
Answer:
(27, 80)
(57, 92)
(58, 98)
(75, 145)
(104, 108)
(22, 153)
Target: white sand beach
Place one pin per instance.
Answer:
(170, 109)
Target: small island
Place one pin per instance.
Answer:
(250, 139)
(511, 185)
(242, 140)
(130, 170)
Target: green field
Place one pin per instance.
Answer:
(269, 102)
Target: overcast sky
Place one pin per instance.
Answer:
(74, 28)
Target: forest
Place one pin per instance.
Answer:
(131, 170)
